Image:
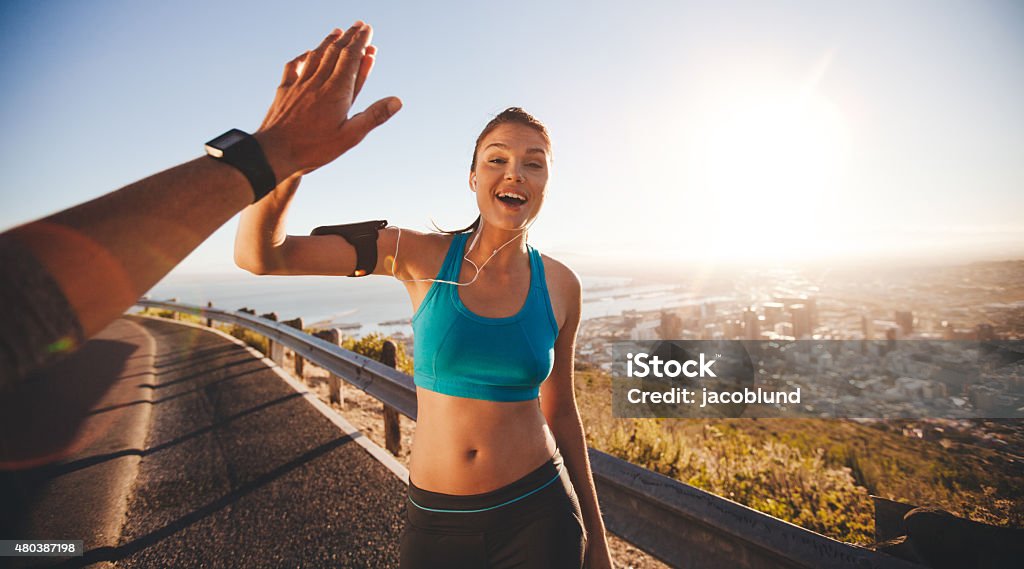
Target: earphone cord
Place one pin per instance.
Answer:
(394, 262)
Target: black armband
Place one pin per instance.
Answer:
(362, 236)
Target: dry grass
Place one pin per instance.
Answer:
(815, 473)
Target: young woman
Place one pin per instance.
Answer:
(499, 474)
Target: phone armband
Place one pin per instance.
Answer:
(362, 236)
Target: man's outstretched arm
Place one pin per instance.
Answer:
(95, 259)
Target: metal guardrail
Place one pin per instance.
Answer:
(675, 522)
(386, 384)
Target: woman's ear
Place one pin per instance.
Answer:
(472, 182)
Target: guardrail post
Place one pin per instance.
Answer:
(333, 335)
(392, 427)
(889, 514)
(275, 349)
(299, 362)
(209, 321)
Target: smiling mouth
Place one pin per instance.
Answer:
(512, 198)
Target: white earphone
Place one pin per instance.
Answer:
(476, 235)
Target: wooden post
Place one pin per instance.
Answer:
(299, 362)
(333, 336)
(275, 349)
(209, 321)
(334, 386)
(392, 427)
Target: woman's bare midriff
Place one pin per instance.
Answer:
(470, 446)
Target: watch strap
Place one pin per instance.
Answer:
(246, 155)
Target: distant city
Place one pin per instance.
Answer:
(972, 304)
(980, 301)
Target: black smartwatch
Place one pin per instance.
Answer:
(241, 150)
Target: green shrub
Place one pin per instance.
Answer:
(372, 345)
(251, 338)
(773, 477)
(169, 314)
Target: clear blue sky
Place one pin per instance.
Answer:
(690, 132)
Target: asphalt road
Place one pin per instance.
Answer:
(238, 470)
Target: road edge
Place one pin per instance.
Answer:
(379, 454)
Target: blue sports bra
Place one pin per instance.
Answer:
(457, 352)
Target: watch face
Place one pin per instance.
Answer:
(228, 138)
(217, 146)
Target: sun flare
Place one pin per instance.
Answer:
(773, 166)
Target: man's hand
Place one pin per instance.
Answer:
(308, 125)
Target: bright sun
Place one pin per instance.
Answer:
(773, 164)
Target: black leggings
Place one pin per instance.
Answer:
(534, 522)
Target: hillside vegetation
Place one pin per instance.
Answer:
(815, 473)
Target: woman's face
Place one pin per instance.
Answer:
(511, 175)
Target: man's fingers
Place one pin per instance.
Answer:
(314, 57)
(331, 38)
(315, 95)
(312, 62)
(351, 57)
(292, 70)
(331, 52)
(365, 67)
(375, 115)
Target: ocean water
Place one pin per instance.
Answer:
(381, 304)
(320, 301)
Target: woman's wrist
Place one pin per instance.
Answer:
(598, 555)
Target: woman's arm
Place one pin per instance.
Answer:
(558, 403)
(262, 245)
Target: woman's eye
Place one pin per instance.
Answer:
(497, 160)
(535, 165)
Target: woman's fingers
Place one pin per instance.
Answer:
(365, 67)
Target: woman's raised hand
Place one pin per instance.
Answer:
(308, 124)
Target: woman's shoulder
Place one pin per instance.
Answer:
(561, 278)
(417, 252)
(415, 242)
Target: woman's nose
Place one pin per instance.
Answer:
(513, 171)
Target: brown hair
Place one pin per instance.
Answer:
(511, 115)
